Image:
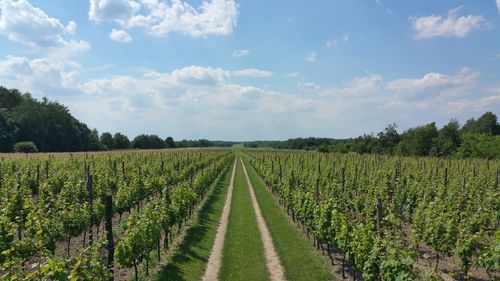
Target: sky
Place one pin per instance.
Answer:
(255, 70)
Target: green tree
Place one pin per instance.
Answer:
(141, 141)
(156, 142)
(479, 145)
(120, 141)
(418, 141)
(169, 142)
(448, 139)
(388, 139)
(106, 141)
(486, 124)
(7, 133)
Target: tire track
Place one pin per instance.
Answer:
(214, 261)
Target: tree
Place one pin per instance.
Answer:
(169, 142)
(148, 142)
(94, 140)
(141, 141)
(156, 142)
(486, 124)
(448, 139)
(10, 98)
(479, 145)
(106, 140)
(7, 133)
(418, 141)
(120, 141)
(388, 139)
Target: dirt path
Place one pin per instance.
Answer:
(214, 261)
(276, 270)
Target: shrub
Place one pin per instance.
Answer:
(25, 147)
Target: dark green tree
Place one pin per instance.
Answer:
(141, 141)
(486, 124)
(169, 142)
(106, 141)
(8, 132)
(120, 141)
(418, 141)
(448, 139)
(388, 139)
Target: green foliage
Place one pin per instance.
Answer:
(61, 210)
(418, 141)
(48, 124)
(148, 142)
(169, 142)
(120, 141)
(448, 140)
(106, 141)
(426, 198)
(486, 124)
(25, 147)
(483, 146)
(8, 132)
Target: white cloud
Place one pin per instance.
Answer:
(71, 28)
(23, 23)
(308, 86)
(293, 74)
(344, 38)
(252, 72)
(42, 75)
(450, 26)
(498, 5)
(198, 75)
(312, 57)
(196, 101)
(113, 10)
(477, 106)
(159, 18)
(433, 79)
(241, 53)
(120, 36)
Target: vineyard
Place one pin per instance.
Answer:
(75, 216)
(248, 215)
(390, 218)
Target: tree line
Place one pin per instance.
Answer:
(30, 125)
(476, 138)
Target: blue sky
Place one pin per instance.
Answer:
(246, 70)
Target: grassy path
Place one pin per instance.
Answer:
(299, 258)
(243, 254)
(276, 270)
(190, 259)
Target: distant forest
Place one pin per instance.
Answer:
(30, 125)
(476, 138)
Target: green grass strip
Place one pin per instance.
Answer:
(298, 256)
(243, 254)
(190, 259)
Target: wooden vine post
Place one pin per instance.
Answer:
(90, 190)
(108, 216)
(379, 213)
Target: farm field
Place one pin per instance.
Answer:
(235, 214)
